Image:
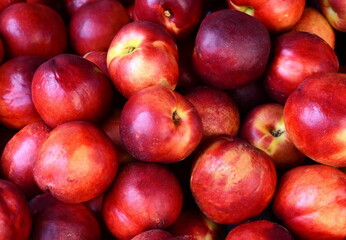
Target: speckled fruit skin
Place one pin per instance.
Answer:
(231, 49)
(58, 99)
(311, 202)
(232, 181)
(315, 118)
(158, 124)
(217, 110)
(15, 216)
(296, 57)
(259, 230)
(32, 30)
(143, 196)
(76, 163)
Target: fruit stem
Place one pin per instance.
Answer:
(175, 117)
(167, 13)
(130, 49)
(276, 133)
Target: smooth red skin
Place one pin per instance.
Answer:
(143, 196)
(72, 6)
(16, 106)
(150, 134)
(250, 96)
(315, 118)
(15, 217)
(19, 155)
(53, 219)
(259, 230)
(156, 55)
(311, 202)
(5, 3)
(58, 99)
(76, 163)
(186, 14)
(256, 129)
(315, 22)
(336, 15)
(193, 224)
(111, 127)
(99, 58)
(217, 110)
(95, 24)
(153, 234)
(240, 180)
(231, 49)
(277, 16)
(32, 29)
(296, 56)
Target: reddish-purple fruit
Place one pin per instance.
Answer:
(53, 219)
(158, 124)
(311, 202)
(19, 155)
(16, 106)
(76, 162)
(143, 196)
(69, 87)
(259, 229)
(15, 216)
(94, 25)
(231, 49)
(232, 181)
(32, 30)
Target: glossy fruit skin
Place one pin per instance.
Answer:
(259, 229)
(144, 196)
(179, 17)
(264, 128)
(277, 16)
(76, 162)
(229, 172)
(94, 25)
(19, 155)
(58, 99)
(142, 54)
(295, 58)
(180, 128)
(42, 31)
(16, 106)
(231, 50)
(315, 118)
(311, 202)
(15, 214)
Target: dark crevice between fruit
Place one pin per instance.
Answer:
(276, 133)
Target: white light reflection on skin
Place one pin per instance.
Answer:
(312, 115)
